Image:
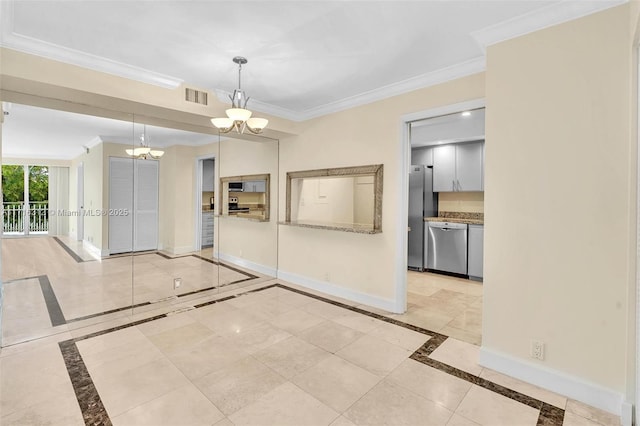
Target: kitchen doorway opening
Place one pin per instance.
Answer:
(205, 200)
(442, 163)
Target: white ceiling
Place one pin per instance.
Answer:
(31, 132)
(306, 58)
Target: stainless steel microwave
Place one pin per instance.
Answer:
(236, 186)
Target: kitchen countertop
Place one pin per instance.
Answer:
(458, 217)
(455, 220)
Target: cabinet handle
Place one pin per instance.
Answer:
(459, 186)
(453, 184)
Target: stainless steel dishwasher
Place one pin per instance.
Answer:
(447, 247)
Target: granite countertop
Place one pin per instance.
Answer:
(357, 229)
(458, 217)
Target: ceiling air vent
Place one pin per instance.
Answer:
(197, 96)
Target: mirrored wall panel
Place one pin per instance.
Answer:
(57, 274)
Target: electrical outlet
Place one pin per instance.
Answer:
(537, 349)
(177, 282)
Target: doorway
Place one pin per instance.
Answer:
(444, 145)
(25, 191)
(205, 199)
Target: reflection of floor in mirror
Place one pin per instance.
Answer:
(271, 354)
(50, 274)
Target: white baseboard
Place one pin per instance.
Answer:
(244, 263)
(176, 251)
(93, 250)
(336, 290)
(555, 381)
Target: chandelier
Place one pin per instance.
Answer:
(238, 117)
(144, 151)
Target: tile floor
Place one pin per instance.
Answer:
(264, 353)
(448, 305)
(85, 288)
(269, 354)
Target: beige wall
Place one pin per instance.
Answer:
(560, 197)
(470, 202)
(93, 195)
(369, 134)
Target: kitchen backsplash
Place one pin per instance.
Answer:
(461, 215)
(469, 202)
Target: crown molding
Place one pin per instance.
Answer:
(554, 14)
(442, 75)
(453, 72)
(263, 107)
(11, 40)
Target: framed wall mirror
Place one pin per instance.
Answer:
(344, 199)
(246, 196)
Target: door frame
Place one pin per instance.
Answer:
(197, 196)
(402, 221)
(80, 202)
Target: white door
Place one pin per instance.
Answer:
(120, 200)
(145, 205)
(133, 205)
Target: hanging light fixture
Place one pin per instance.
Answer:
(238, 117)
(144, 151)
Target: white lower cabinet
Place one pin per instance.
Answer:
(476, 251)
(207, 229)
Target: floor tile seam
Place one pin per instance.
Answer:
(318, 400)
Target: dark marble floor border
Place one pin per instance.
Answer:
(206, 259)
(55, 312)
(70, 252)
(53, 307)
(94, 412)
(138, 305)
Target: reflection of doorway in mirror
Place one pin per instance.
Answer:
(363, 200)
(339, 200)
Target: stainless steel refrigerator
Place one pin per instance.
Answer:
(423, 202)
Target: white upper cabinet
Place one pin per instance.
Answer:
(469, 166)
(207, 176)
(444, 168)
(458, 167)
(255, 186)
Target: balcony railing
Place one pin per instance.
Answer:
(13, 218)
